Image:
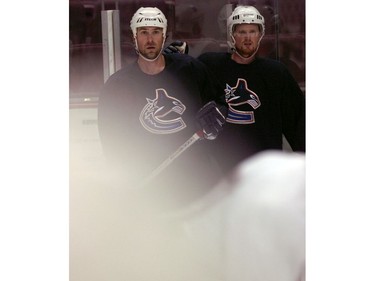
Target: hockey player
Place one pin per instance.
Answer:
(264, 100)
(151, 107)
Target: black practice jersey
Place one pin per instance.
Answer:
(264, 102)
(144, 118)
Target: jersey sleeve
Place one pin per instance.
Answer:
(293, 113)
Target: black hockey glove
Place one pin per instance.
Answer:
(210, 120)
(177, 47)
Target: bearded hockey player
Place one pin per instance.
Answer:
(149, 108)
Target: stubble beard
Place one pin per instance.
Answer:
(246, 51)
(150, 54)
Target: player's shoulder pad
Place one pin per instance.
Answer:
(183, 59)
(212, 55)
(178, 57)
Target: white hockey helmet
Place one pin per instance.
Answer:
(244, 14)
(148, 17)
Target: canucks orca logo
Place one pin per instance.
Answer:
(240, 95)
(154, 116)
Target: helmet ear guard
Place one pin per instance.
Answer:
(243, 14)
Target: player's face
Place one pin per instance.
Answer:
(150, 41)
(247, 37)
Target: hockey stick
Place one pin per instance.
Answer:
(197, 136)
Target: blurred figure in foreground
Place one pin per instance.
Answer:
(249, 227)
(253, 223)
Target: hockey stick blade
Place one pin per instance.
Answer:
(196, 136)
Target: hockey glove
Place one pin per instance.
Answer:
(210, 120)
(177, 47)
